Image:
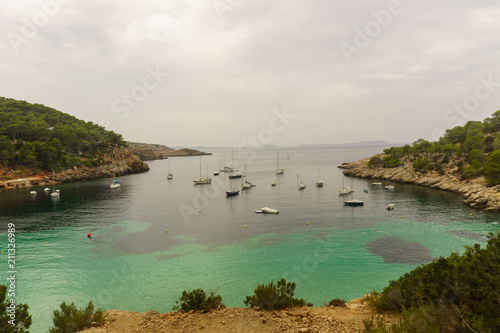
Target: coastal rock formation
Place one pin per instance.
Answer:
(122, 162)
(474, 191)
(148, 152)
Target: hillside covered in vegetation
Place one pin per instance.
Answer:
(41, 138)
(465, 160)
(469, 151)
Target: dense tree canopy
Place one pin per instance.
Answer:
(37, 136)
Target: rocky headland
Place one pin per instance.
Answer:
(475, 191)
(148, 152)
(122, 162)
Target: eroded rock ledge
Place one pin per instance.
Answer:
(475, 191)
(120, 163)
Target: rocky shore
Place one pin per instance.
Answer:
(121, 163)
(148, 152)
(301, 319)
(474, 191)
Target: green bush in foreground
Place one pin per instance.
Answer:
(13, 318)
(462, 292)
(337, 302)
(70, 319)
(274, 296)
(197, 300)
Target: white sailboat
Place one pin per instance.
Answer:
(279, 171)
(232, 191)
(234, 173)
(223, 164)
(55, 193)
(245, 184)
(169, 176)
(345, 189)
(320, 183)
(114, 182)
(202, 180)
(301, 185)
(353, 202)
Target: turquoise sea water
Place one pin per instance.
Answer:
(132, 263)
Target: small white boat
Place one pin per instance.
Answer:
(46, 190)
(246, 185)
(377, 184)
(232, 192)
(279, 171)
(353, 202)
(216, 172)
(320, 183)
(202, 180)
(273, 184)
(170, 175)
(267, 210)
(390, 206)
(301, 184)
(345, 189)
(33, 193)
(114, 184)
(389, 187)
(55, 193)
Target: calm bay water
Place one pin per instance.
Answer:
(132, 263)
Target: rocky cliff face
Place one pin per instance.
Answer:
(475, 192)
(122, 162)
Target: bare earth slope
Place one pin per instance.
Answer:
(301, 319)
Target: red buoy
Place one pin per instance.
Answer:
(89, 235)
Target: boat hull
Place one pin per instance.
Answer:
(232, 193)
(353, 203)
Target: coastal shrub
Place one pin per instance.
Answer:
(391, 162)
(468, 172)
(273, 296)
(197, 300)
(22, 319)
(337, 302)
(462, 289)
(375, 162)
(421, 164)
(439, 168)
(424, 319)
(70, 319)
(492, 168)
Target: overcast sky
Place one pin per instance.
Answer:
(234, 72)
